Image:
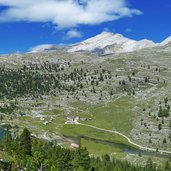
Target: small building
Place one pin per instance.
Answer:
(74, 146)
(71, 118)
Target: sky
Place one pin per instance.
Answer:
(25, 24)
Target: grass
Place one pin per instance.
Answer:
(96, 141)
(116, 115)
(99, 149)
(80, 130)
(55, 111)
(57, 122)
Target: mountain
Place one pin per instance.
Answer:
(107, 43)
(44, 48)
(103, 44)
(166, 42)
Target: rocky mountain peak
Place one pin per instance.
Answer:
(117, 43)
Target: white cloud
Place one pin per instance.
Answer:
(73, 34)
(66, 13)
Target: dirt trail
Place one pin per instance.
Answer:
(137, 145)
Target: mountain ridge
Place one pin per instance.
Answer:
(105, 43)
(166, 41)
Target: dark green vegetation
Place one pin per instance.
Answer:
(36, 80)
(164, 112)
(34, 154)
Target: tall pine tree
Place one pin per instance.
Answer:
(25, 143)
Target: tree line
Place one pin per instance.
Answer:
(32, 154)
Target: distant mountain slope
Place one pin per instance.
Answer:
(106, 43)
(44, 48)
(166, 41)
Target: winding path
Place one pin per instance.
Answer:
(116, 132)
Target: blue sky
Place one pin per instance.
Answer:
(27, 23)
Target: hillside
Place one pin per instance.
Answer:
(51, 92)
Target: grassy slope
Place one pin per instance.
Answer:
(94, 139)
(116, 115)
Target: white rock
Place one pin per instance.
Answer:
(166, 41)
(111, 43)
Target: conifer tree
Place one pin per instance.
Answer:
(25, 142)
